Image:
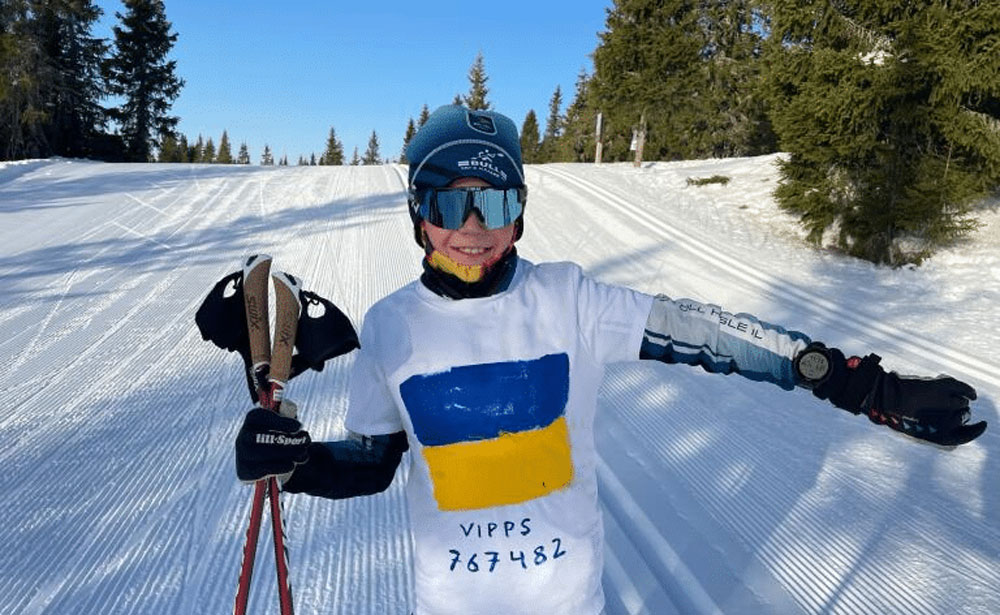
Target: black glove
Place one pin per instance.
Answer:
(932, 409)
(269, 444)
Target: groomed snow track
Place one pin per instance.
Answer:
(720, 495)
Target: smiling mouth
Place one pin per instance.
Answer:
(472, 251)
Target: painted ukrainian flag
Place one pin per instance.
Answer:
(493, 433)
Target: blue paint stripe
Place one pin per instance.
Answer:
(478, 402)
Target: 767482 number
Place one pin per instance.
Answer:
(491, 559)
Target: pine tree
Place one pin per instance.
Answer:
(372, 155)
(334, 153)
(411, 130)
(891, 119)
(476, 98)
(244, 156)
(22, 104)
(529, 137)
(425, 114)
(733, 120)
(355, 160)
(70, 76)
(458, 100)
(208, 154)
(302, 161)
(549, 149)
(183, 150)
(168, 149)
(312, 159)
(139, 72)
(647, 64)
(284, 160)
(578, 140)
(225, 155)
(267, 159)
(197, 152)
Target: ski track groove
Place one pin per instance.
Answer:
(795, 552)
(113, 375)
(80, 356)
(827, 310)
(353, 556)
(72, 278)
(789, 549)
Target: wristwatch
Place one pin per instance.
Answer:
(813, 365)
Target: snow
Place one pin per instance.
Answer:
(720, 494)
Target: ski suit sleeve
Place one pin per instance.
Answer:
(686, 331)
(360, 465)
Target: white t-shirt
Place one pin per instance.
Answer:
(497, 396)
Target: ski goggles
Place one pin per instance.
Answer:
(449, 208)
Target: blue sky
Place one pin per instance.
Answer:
(283, 73)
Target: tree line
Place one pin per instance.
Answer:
(180, 149)
(888, 113)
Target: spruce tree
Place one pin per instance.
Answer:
(197, 151)
(425, 113)
(225, 155)
(23, 112)
(139, 72)
(530, 138)
(183, 150)
(891, 119)
(312, 159)
(646, 64)
(411, 130)
(208, 154)
(371, 154)
(578, 140)
(355, 159)
(267, 159)
(244, 156)
(733, 119)
(334, 153)
(549, 149)
(168, 149)
(284, 160)
(70, 77)
(476, 98)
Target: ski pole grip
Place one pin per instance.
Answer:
(288, 306)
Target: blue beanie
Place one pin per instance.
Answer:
(458, 142)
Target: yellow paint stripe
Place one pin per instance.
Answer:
(513, 468)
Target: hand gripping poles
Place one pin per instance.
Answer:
(270, 372)
(234, 317)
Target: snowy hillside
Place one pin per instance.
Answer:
(720, 495)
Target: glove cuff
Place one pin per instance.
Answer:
(851, 381)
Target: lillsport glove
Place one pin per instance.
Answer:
(932, 409)
(269, 444)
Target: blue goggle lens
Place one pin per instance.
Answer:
(450, 207)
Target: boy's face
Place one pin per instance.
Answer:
(473, 244)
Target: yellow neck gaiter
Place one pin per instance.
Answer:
(466, 273)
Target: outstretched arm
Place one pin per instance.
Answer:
(693, 333)
(686, 331)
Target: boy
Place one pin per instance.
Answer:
(488, 368)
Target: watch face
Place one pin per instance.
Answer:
(814, 366)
